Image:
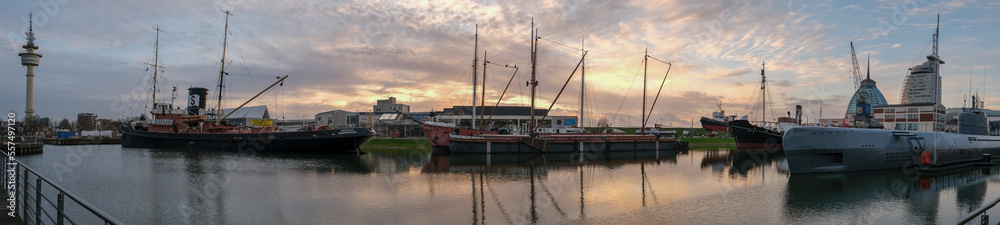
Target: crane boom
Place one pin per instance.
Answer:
(856, 69)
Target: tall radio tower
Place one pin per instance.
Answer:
(30, 59)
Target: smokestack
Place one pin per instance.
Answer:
(798, 114)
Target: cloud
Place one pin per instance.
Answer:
(347, 54)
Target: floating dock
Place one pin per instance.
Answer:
(25, 148)
(82, 141)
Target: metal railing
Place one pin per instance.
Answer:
(985, 218)
(34, 195)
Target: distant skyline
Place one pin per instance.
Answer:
(347, 54)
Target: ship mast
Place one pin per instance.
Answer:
(645, 64)
(583, 72)
(156, 62)
(222, 71)
(482, 99)
(763, 95)
(475, 70)
(533, 83)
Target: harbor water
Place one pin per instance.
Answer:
(700, 186)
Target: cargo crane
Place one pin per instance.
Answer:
(856, 69)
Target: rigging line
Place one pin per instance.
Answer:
(561, 44)
(657, 94)
(753, 106)
(503, 47)
(499, 204)
(592, 104)
(771, 103)
(462, 78)
(634, 78)
(240, 55)
(551, 198)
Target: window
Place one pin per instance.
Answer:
(890, 110)
(911, 109)
(913, 116)
(889, 117)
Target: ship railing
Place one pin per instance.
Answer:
(39, 200)
(981, 212)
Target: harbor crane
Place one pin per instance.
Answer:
(856, 69)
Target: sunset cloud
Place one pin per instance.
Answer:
(346, 54)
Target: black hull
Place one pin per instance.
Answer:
(325, 141)
(751, 136)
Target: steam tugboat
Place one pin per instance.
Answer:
(196, 130)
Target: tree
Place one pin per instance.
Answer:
(64, 124)
(604, 122)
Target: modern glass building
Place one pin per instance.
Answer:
(869, 92)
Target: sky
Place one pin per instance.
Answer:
(347, 54)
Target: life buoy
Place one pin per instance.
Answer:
(925, 158)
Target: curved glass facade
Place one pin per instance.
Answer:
(871, 93)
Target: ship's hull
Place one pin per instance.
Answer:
(751, 136)
(439, 135)
(714, 125)
(831, 149)
(561, 143)
(325, 141)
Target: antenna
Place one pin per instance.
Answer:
(936, 32)
(31, 30)
(970, 89)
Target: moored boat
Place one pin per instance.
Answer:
(193, 129)
(536, 141)
(440, 133)
(760, 135)
(718, 123)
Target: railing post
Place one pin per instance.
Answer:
(59, 210)
(38, 200)
(23, 192)
(985, 219)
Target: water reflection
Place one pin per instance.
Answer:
(546, 191)
(887, 195)
(141, 186)
(740, 161)
(525, 163)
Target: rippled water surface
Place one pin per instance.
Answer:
(701, 186)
